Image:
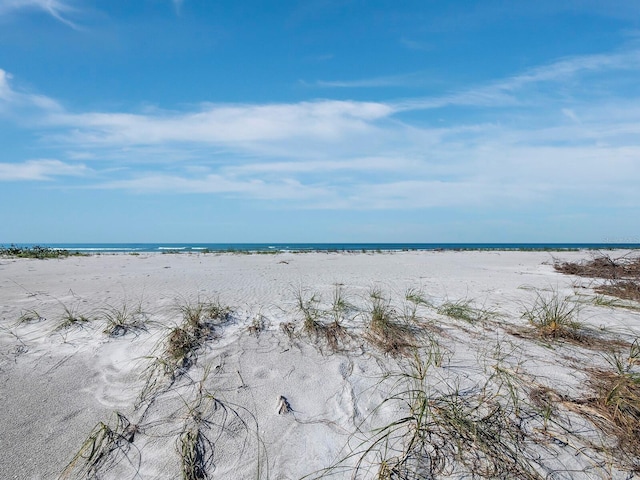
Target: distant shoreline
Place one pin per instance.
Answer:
(105, 248)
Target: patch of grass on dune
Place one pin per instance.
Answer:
(617, 403)
(106, 446)
(123, 319)
(30, 315)
(323, 325)
(464, 310)
(72, 317)
(554, 316)
(388, 329)
(179, 349)
(443, 430)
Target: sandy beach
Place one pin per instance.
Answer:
(315, 365)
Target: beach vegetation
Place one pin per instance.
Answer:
(258, 324)
(447, 431)
(417, 297)
(37, 252)
(208, 418)
(624, 289)
(200, 320)
(463, 310)
(324, 325)
(30, 316)
(106, 446)
(602, 266)
(554, 316)
(387, 329)
(72, 317)
(124, 319)
(615, 405)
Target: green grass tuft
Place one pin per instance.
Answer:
(554, 316)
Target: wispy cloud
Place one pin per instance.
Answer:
(416, 45)
(178, 5)
(287, 189)
(13, 99)
(40, 170)
(522, 144)
(504, 92)
(224, 124)
(58, 9)
(406, 80)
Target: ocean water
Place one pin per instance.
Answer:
(321, 247)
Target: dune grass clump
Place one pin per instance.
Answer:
(463, 310)
(323, 324)
(417, 297)
(194, 447)
(29, 316)
(200, 320)
(71, 317)
(387, 329)
(106, 446)
(554, 316)
(179, 349)
(124, 319)
(617, 403)
(207, 421)
(453, 432)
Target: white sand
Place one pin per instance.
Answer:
(57, 385)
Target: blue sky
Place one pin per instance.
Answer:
(319, 121)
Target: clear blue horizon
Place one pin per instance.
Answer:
(320, 121)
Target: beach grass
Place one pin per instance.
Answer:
(72, 317)
(106, 446)
(324, 325)
(387, 329)
(553, 316)
(120, 320)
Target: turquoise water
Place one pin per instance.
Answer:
(322, 247)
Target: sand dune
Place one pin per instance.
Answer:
(269, 366)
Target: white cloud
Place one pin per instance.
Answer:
(58, 9)
(287, 189)
(405, 80)
(505, 92)
(369, 155)
(40, 169)
(225, 124)
(17, 100)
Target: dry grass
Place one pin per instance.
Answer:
(323, 325)
(624, 289)
(623, 274)
(200, 320)
(466, 433)
(602, 266)
(617, 402)
(387, 329)
(179, 350)
(106, 446)
(29, 316)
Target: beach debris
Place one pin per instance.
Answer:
(283, 406)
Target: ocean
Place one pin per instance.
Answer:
(321, 247)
